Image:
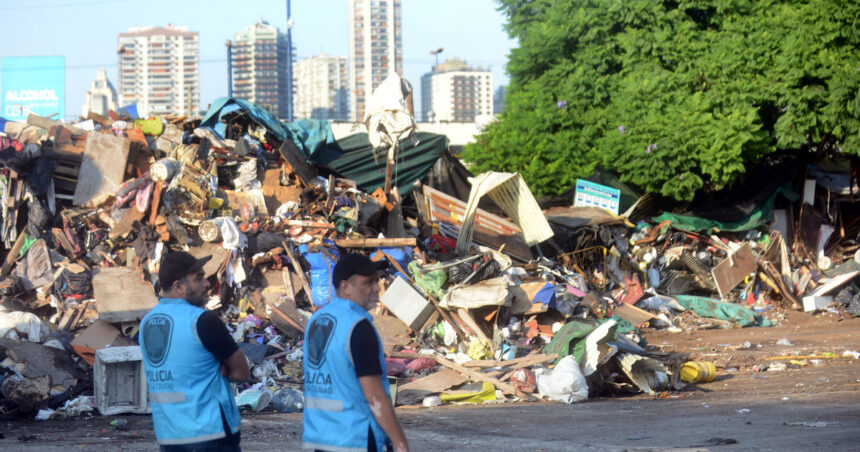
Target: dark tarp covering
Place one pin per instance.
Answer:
(746, 204)
(224, 105)
(413, 162)
(449, 176)
(747, 195)
(313, 137)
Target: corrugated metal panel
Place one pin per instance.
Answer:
(510, 192)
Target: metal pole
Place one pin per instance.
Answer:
(229, 68)
(289, 64)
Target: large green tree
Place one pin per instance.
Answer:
(674, 96)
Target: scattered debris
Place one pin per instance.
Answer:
(488, 298)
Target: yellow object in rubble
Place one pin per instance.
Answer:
(487, 393)
(480, 349)
(698, 372)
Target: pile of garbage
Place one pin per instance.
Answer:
(489, 297)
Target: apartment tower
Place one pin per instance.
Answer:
(375, 49)
(159, 69)
(259, 59)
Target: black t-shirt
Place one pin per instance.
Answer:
(214, 336)
(364, 347)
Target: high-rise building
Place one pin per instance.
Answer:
(159, 69)
(499, 100)
(321, 88)
(259, 58)
(101, 98)
(455, 92)
(375, 49)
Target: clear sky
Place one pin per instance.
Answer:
(86, 33)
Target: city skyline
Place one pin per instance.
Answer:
(320, 27)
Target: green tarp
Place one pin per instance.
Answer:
(569, 340)
(413, 162)
(716, 309)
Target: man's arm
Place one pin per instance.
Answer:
(215, 337)
(235, 368)
(383, 410)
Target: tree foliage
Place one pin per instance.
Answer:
(673, 96)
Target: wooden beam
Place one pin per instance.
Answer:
(467, 317)
(505, 387)
(45, 123)
(375, 243)
(301, 273)
(287, 318)
(13, 254)
(156, 200)
(444, 314)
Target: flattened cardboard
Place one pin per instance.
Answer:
(633, 314)
(96, 336)
(102, 168)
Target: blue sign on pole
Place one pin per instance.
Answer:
(32, 85)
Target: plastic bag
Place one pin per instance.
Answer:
(25, 323)
(288, 400)
(564, 384)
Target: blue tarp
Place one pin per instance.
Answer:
(313, 137)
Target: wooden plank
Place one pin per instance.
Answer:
(156, 201)
(435, 382)
(13, 254)
(45, 123)
(124, 226)
(732, 270)
(394, 219)
(301, 274)
(505, 387)
(467, 318)
(393, 332)
(102, 169)
(529, 360)
(375, 243)
(287, 312)
(633, 314)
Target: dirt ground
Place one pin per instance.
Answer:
(811, 404)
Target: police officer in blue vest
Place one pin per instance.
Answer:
(347, 402)
(190, 359)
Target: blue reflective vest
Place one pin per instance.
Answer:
(186, 388)
(336, 414)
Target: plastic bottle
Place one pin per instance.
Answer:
(288, 400)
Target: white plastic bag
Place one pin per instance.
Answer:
(21, 322)
(564, 384)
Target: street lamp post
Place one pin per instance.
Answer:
(436, 53)
(289, 64)
(229, 45)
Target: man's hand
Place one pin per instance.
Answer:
(235, 368)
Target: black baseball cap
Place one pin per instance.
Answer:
(355, 264)
(177, 265)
